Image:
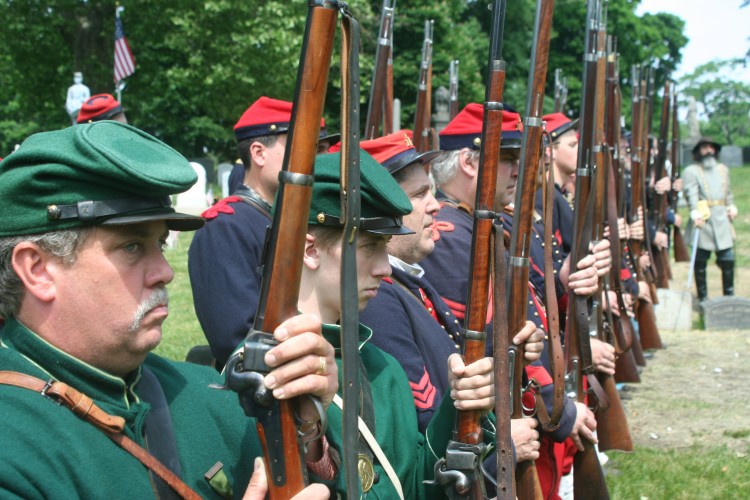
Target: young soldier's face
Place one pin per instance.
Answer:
(412, 248)
(372, 267)
(114, 295)
(566, 153)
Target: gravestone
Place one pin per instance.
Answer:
(726, 313)
(193, 201)
(224, 170)
(674, 310)
(731, 156)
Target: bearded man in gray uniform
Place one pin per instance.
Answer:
(712, 210)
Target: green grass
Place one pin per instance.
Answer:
(693, 473)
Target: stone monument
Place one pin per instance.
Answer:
(442, 107)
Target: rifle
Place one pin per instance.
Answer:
(460, 470)
(282, 263)
(527, 478)
(588, 476)
(424, 135)
(681, 253)
(648, 331)
(453, 71)
(659, 200)
(378, 89)
(626, 369)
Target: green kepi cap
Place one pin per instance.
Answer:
(383, 202)
(102, 173)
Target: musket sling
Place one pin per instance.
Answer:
(112, 426)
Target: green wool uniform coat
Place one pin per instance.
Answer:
(48, 452)
(411, 453)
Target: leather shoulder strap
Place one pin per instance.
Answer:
(112, 426)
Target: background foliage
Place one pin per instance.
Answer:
(200, 63)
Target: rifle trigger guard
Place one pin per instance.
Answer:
(460, 469)
(308, 438)
(244, 375)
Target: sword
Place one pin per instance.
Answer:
(694, 252)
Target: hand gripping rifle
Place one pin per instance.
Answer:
(460, 470)
(681, 253)
(527, 479)
(424, 139)
(378, 88)
(282, 262)
(588, 477)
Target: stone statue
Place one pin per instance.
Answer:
(77, 94)
(694, 129)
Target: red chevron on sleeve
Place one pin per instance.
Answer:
(423, 392)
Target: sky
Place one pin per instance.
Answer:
(717, 29)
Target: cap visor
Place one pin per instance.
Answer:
(393, 230)
(175, 221)
(331, 139)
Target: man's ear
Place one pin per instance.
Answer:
(36, 269)
(258, 153)
(466, 166)
(311, 258)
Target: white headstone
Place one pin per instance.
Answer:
(194, 199)
(224, 170)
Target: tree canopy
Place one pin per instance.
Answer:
(199, 64)
(724, 101)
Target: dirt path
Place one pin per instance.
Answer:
(697, 390)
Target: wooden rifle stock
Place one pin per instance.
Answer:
(282, 263)
(588, 476)
(378, 88)
(648, 332)
(467, 436)
(626, 369)
(612, 426)
(527, 479)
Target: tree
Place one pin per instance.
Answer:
(724, 101)
(201, 63)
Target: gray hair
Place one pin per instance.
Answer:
(445, 167)
(63, 245)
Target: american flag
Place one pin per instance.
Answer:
(124, 60)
